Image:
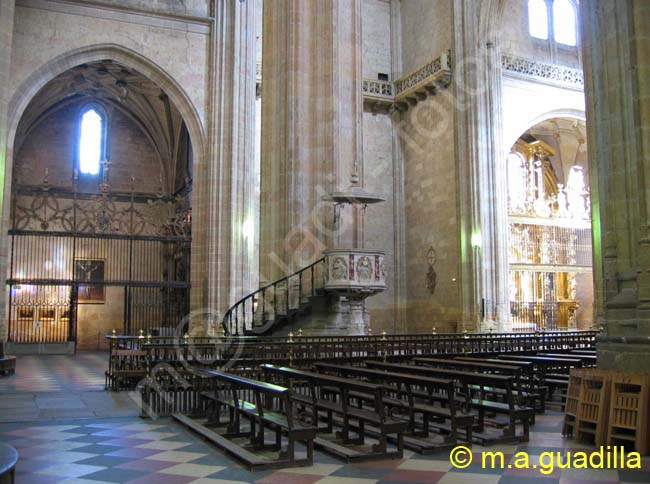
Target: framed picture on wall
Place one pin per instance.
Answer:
(47, 314)
(25, 313)
(90, 274)
(64, 315)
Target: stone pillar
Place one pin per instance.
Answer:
(616, 55)
(312, 109)
(482, 171)
(399, 209)
(6, 39)
(224, 184)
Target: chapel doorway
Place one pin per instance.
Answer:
(100, 212)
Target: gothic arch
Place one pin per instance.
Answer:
(555, 113)
(45, 73)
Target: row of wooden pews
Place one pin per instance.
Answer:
(132, 356)
(434, 419)
(361, 409)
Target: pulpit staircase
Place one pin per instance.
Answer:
(277, 304)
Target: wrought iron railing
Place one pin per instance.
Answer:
(261, 310)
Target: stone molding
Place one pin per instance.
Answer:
(552, 73)
(118, 12)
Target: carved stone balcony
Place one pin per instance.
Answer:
(423, 82)
(408, 90)
(377, 95)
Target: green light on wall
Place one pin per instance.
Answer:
(476, 240)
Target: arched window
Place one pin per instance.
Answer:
(564, 22)
(92, 134)
(538, 19)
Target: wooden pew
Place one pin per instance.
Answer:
(529, 390)
(265, 406)
(529, 396)
(403, 387)
(583, 352)
(587, 360)
(351, 418)
(7, 363)
(546, 363)
(515, 413)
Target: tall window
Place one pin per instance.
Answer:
(91, 141)
(564, 22)
(560, 18)
(538, 19)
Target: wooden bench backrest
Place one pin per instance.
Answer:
(469, 377)
(400, 378)
(321, 379)
(236, 380)
(541, 359)
(470, 364)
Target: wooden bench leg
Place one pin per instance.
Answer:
(260, 433)
(310, 451)
(382, 444)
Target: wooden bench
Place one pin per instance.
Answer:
(265, 406)
(587, 360)
(125, 369)
(7, 363)
(351, 418)
(528, 390)
(545, 363)
(408, 399)
(515, 413)
(8, 461)
(583, 352)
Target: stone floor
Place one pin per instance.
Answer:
(67, 429)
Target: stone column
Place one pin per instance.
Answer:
(399, 209)
(616, 55)
(482, 172)
(6, 38)
(312, 111)
(224, 185)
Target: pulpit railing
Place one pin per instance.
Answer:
(258, 312)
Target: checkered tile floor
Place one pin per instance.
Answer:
(132, 450)
(64, 447)
(57, 373)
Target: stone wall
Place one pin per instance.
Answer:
(432, 218)
(380, 218)
(426, 135)
(378, 163)
(376, 33)
(426, 31)
(46, 30)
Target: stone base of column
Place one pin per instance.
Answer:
(492, 326)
